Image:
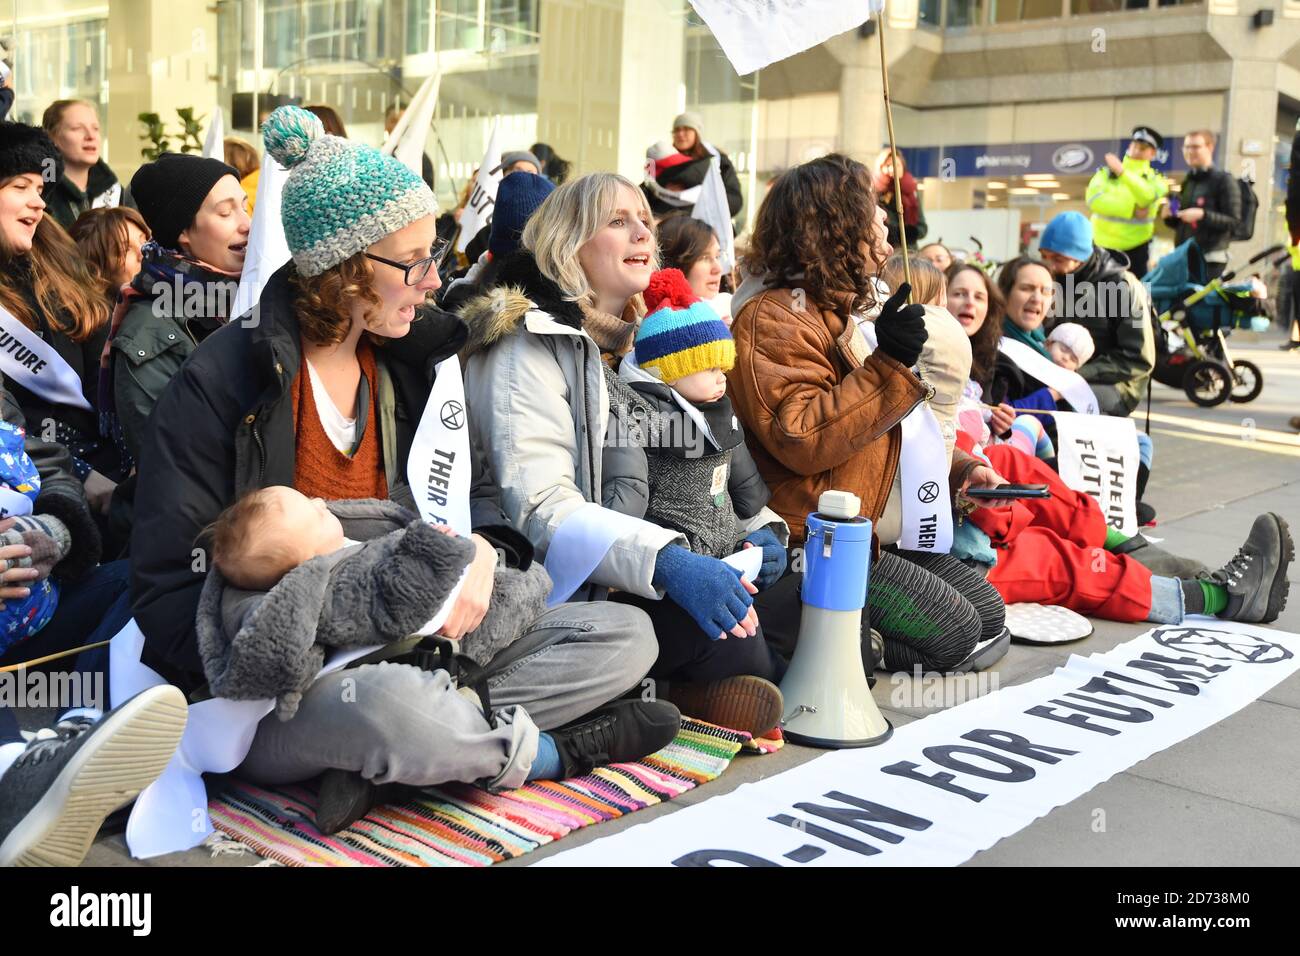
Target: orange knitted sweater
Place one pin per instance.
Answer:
(321, 470)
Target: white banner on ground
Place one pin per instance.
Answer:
(483, 195)
(406, 142)
(267, 248)
(1098, 454)
(944, 788)
(439, 466)
(33, 363)
(754, 34)
(214, 145)
(711, 207)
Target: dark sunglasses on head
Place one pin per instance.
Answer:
(416, 272)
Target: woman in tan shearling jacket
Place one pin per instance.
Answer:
(823, 409)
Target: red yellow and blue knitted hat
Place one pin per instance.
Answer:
(681, 333)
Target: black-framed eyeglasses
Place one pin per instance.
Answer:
(417, 271)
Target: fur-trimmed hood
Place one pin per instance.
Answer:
(521, 288)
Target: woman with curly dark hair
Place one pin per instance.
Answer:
(823, 408)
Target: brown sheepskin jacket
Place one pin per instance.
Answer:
(819, 411)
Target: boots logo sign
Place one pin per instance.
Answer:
(1072, 158)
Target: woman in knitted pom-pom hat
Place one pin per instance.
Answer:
(321, 388)
(551, 412)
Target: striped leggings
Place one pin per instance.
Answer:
(930, 608)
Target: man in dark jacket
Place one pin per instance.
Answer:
(1100, 294)
(1209, 203)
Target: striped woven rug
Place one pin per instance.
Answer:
(463, 825)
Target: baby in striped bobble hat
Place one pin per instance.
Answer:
(702, 480)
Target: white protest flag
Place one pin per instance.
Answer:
(956, 782)
(1098, 454)
(711, 207)
(483, 196)
(406, 142)
(214, 145)
(754, 33)
(267, 249)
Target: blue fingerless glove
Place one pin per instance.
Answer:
(773, 557)
(705, 588)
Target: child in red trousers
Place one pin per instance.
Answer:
(1059, 550)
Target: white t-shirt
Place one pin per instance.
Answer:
(341, 431)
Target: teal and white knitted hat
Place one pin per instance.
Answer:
(340, 196)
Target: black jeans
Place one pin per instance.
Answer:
(686, 653)
(91, 609)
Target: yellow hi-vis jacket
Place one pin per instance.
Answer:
(1124, 207)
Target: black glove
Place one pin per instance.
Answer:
(900, 329)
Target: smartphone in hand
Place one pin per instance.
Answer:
(1009, 492)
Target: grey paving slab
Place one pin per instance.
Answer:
(1252, 758)
(1149, 823)
(1286, 693)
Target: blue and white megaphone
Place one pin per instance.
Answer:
(827, 699)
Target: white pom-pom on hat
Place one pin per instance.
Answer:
(289, 132)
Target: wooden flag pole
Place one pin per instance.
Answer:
(893, 150)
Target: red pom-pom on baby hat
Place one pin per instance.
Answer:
(668, 286)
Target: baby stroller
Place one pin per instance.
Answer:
(1196, 315)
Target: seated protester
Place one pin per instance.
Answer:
(945, 358)
(518, 196)
(50, 295)
(823, 409)
(937, 254)
(327, 591)
(110, 241)
(540, 375)
(305, 399)
(1027, 288)
(1044, 551)
(700, 477)
(84, 181)
(198, 213)
(1111, 303)
(49, 811)
(692, 246)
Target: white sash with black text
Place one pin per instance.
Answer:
(1070, 384)
(923, 475)
(439, 467)
(30, 361)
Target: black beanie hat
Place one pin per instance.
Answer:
(28, 149)
(170, 190)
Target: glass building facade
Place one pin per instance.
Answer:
(600, 80)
